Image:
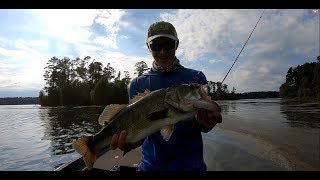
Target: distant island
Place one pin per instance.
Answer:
(18, 100)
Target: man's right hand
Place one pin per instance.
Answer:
(119, 141)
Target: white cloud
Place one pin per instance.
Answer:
(123, 62)
(222, 31)
(279, 41)
(106, 41)
(215, 76)
(7, 75)
(73, 26)
(213, 61)
(20, 77)
(88, 49)
(30, 46)
(285, 33)
(25, 63)
(5, 52)
(110, 20)
(215, 36)
(23, 67)
(124, 37)
(206, 31)
(253, 75)
(68, 25)
(38, 43)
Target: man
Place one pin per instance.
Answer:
(184, 150)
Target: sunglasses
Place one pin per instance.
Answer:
(167, 46)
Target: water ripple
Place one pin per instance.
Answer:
(34, 138)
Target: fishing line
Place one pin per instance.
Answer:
(243, 46)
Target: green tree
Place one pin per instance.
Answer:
(109, 72)
(104, 92)
(316, 80)
(43, 99)
(140, 68)
(57, 75)
(301, 82)
(76, 82)
(126, 78)
(81, 70)
(95, 72)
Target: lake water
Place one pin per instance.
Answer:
(256, 134)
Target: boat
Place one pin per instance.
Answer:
(112, 160)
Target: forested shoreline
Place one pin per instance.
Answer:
(302, 83)
(83, 82)
(88, 82)
(76, 82)
(18, 100)
(79, 82)
(247, 95)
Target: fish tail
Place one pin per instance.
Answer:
(81, 146)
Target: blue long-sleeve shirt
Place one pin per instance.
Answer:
(184, 150)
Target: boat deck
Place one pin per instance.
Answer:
(114, 159)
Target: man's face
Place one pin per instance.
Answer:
(163, 50)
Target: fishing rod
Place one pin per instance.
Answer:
(318, 58)
(243, 47)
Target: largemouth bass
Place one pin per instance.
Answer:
(148, 113)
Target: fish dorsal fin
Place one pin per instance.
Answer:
(140, 96)
(166, 132)
(110, 111)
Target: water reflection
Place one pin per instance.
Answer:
(40, 138)
(293, 113)
(227, 106)
(301, 114)
(64, 124)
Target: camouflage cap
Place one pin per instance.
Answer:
(161, 29)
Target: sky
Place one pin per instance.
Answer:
(210, 41)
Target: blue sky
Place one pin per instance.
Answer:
(210, 40)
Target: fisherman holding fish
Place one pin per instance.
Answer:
(183, 149)
(169, 109)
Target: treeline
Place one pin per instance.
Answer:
(258, 95)
(219, 91)
(87, 82)
(302, 82)
(78, 82)
(18, 100)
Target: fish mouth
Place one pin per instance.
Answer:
(208, 105)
